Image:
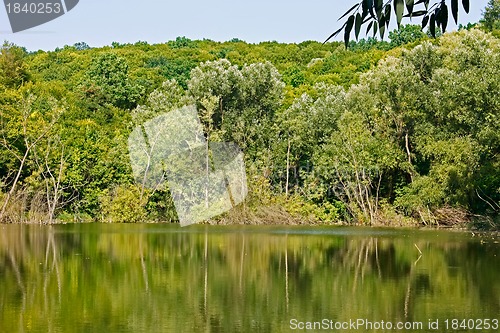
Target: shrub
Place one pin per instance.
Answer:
(123, 204)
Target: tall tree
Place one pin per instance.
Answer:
(107, 81)
(13, 71)
(25, 123)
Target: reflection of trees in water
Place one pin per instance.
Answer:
(477, 264)
(18, 252)
(144, 278)
(387, 267)
(363, 276)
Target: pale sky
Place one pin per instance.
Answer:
(101, 22)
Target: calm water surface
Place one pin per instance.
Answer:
(163, 278)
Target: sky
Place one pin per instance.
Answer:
(101, 22)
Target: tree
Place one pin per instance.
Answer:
(49, 164)
(177, 69)
(419, 131)
(406, 34)
(247, 99)
(81, 46)
(491, 15)
(377, 15)
(25, 123)
(107, 82)
(13, 70)
(181, 42)
(220, 79)
(296, 128)
(306, 124)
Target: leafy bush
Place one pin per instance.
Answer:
(123, 204)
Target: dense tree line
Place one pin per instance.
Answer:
(395, 132)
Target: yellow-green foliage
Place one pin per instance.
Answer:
(328, 133)
(123, 204)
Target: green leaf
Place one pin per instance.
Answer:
(364, 14)
(439, 14)
(375, 29)
(409, 6)
(370, 25)
(380, 13)
(382, 28)
(364, 5)
(359, 22)
(335, 33)
(425, 20)
(433, 25)
(370, 8)
(466, 5)
(444, 17)
(348, 29)
(417, 13)
(348, 12)
(399, 8)
(454, 10)
(381, 21)
(387, 14)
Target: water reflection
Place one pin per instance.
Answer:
(156, 278)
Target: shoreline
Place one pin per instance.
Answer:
(220, 223)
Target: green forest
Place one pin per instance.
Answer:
(403, 132)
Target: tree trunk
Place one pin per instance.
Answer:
(14, 184)
(287, 169)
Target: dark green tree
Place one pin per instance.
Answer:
(107, 81)
(406, 34)
(491, 15)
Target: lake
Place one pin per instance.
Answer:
(163, 278)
